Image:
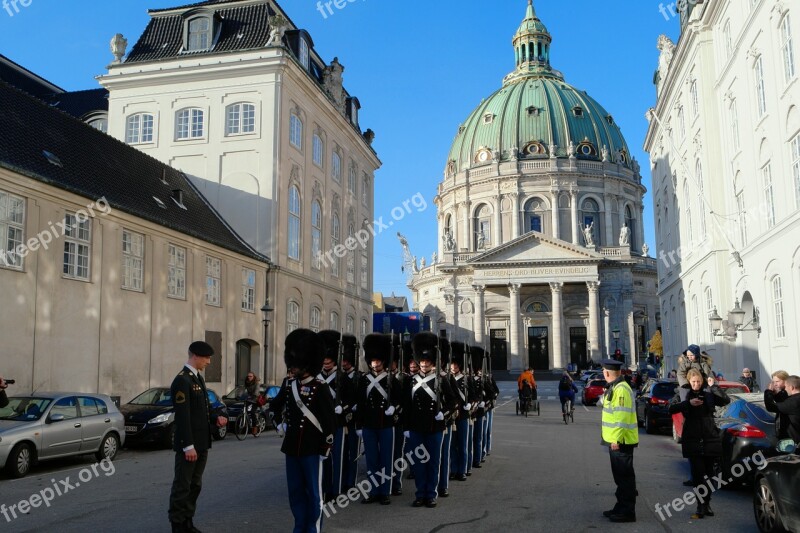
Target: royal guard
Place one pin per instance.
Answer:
(378, 399)
(459, 351)
(413, 370)
(398, 362)
(306, 410)
(343, 394)
(450, 419)
(465, 397)
(476, 354)
(428, 400)
(492, 393)
(350, 349)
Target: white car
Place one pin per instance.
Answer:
(50, 425)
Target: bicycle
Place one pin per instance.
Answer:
(568, 412)
(251, 420)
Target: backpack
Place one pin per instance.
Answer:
(564, 384)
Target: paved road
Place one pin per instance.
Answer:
(541, 476)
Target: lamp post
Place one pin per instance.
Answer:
(266, 310)
(615, 334)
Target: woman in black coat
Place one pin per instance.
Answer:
(702, 440)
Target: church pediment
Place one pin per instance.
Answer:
(535, 248)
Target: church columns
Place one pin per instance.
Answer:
(479, 310)
(554, 212)
(594, 320)
(453, 300)
(558, 318)
(497, 238)
(638, 238)
(606, 332)
(609, 201)
(469, 238)
(573, 196)
(515, 231)
(515, 358)
(627, 306)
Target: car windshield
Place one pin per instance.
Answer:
(24, 409)
(236, 394)
(153, 397)
(664, 391)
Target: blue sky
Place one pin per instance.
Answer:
(419, 68)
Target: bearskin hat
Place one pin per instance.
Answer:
(397, 343)
(377, 346)
(457, 357)
(444, 350)
(425, 345)
(350, 344)
(476, 353)
(331, 340)
(304, 349)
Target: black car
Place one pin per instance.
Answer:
(776, 502)
(652, 404)
(150, 417)
(747, 429)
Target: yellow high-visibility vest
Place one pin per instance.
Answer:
(619, 416)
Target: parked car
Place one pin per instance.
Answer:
(233, 401)
(747, 428)
(592, 374)
(150, 417)
(776, 502)
(731, 387)
(50, 425)
(593, 390)
(652, 404)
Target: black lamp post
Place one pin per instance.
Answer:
(266, 310)
(615, 334)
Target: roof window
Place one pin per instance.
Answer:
(52, 158)
(577, 111)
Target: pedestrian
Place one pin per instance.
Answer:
(790, 408)
(620, 433)
(775, 394)
(748, 380)
(673, 374)
(701, 440)
(3, 397)
(307, 412)
(194, 418)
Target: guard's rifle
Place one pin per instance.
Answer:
(389, 370)
(437, 379)
(339, 377)
(471, 371)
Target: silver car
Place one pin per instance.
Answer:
(49, 425)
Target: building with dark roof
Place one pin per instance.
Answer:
(112, 262)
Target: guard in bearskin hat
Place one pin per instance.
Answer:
(307, 414)
(349, 362)
(343, 393)
(398, 361)
(377, 400)
(478, 433)
(449, 420)
(428, 400)
(491, 392)
(465, 397)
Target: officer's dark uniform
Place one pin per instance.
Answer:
(350, 463)
(465, 398)
(492, 392)
(478, 412)
(193, 422)
(307, 409)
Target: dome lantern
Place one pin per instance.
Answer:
(532, 48)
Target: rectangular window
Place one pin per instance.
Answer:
(364, 271)
(296, 132)
(695, 100)
(318, 150)
(740, 204)
(240, 120)
(336, 167)
(734, 114)
(769, 196)
(761, 90)
(132, 261)
(213, 279)
(485, 230)
(351, 268)
(12, 225)
(304, 53)
(189, 124)
(777, 301)
(176, 278)
(787, 49)
(795, 157)
(77, 246)
(248, 290)
(199, 34)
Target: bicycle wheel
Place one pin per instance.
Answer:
(538, 408)
(261, 425)
(242, 426)
(517, 407)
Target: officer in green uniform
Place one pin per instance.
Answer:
(620, 432)
(193, 422)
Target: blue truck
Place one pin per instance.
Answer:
(401, 323)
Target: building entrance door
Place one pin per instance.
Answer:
(538, 349)
(497, 340)
(242, 361)
(577, 346)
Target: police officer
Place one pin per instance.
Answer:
(193, 421)
(426, 406)
(378, 398)
(620, 432)
(349, 358)
(343, 393)
(306, 408)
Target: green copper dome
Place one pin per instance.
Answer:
(534, 111)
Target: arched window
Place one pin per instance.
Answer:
(351, 179)
(296, 131)
(189, 124)
(482, 227)
(335, 235)
(777, 306)
(336, 167)
(350, 324)
(537, 307)
(351, 257)
(631, 222)
(709, 308)
(292, 316)
(198, 34)
(787, 50)
(316, 317)
(316, 234)
(688, 212)
(139, 128)
(334, 323)
(365, 190)
(591, 217)
(448, 224)
(535, 215)
(240, 119)
(294, 223)
(694, 99)
(701, 196)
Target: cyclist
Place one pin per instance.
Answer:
(566, 391)
(250, 397)
(526, 377)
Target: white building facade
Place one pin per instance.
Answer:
(725, 156)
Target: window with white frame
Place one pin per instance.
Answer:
(240, 119)
(695, 315)
(139, 128)
(318, 150)
(294, 223)
(769, 194)
(761, 90)
(292, 316)
(296, 131)
(351, 179)
(740, 207)
(363, 327)
(248, 290)
(694, 99)
(213, 280)
(12, 229)
(316, 317)
(787, 50)
(727, 39)
(100, 124)
(176, 275)
(364, 270)
(777, 306)
(734, 122)
(795, 157)
(350, 324)
(336, 167)
(681, 122)
(189, 124)
(77, 246)
(335, 235)
(709, 308)
(334, 321)
(304, 53)
(365, 190)
(199, 34)
(132, 261)
(351, 258)
(701, 212)
(316, 234)
(688, 212)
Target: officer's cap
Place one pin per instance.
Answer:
(201, 349)
(611, 364)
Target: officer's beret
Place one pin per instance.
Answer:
(457, 355)
(611, 364)
(377, 346)
(331, 340)
(305, 350)
(201, 349)
(425, 345)
(476, 353)
(350, 344)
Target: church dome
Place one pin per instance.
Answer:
(536, 111)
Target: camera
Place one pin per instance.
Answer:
(10, 381)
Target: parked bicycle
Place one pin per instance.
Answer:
(250, 421)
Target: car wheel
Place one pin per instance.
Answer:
(20, 460)
(765, 507)
(221, 432)
(648, 426)
(169, 437)
(108, 448)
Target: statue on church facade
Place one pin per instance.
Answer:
(625, 235)
(448, 241)
(588, 236)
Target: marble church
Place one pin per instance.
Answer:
(541, 256)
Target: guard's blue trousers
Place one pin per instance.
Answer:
(426, 475)
(304, 479)
(378, 447)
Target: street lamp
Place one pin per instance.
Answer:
(615, 334)
(265, 310)
(729, 328)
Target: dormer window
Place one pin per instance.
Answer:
(304, 53)
(354, 112)
(488, 118)
(533, 111)
(198, 34)
(577, 111)
(610, 120)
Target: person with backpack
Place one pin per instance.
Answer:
(566, 391)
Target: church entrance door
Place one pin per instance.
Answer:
(538, 349)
